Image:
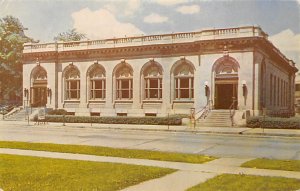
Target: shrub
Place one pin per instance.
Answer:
(274, 122)
(115, 120)
(180, 115)
(57, 112)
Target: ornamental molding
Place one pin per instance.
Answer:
(249, 44)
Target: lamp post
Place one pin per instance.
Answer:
(49, 93)
(207, 90)
(245, 90)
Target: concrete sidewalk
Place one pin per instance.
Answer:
(192, 174)
(182, 128)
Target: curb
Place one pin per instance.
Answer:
(187, 130)
(242, 133)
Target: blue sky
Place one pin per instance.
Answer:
(105, 19)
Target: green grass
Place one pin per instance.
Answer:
(290, 165)
(231, 182)
(45, 174)
(107, 151)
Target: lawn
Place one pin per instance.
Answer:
(45, 174)
(231, 182)
(107, 151)
(291, 165)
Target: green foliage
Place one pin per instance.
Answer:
(12, 38)
(290, 165)
(57, 112)
(180, 115)
(35, 173)
(274, 122)
(70, 35)
(233, 182)
(115, 120)
(107, 151)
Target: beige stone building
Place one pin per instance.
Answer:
(297, 94)
(160, 74)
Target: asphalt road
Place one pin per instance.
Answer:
(220, 145)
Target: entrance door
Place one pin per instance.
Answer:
(39, 96)
(224, 95)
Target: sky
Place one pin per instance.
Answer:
(100, 19)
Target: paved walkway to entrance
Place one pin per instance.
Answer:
(187, 176)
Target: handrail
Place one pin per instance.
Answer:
(205, 110)
(232, 111)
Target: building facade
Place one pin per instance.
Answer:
(160, 74)
(297, 94)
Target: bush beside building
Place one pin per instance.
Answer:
(274, 122)
(115, 120)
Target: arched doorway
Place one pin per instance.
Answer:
(38, 90)
(225, 72)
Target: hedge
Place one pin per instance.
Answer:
(114, 120)
(274, 122)
(57, 112)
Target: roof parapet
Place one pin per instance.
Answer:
(208, 34)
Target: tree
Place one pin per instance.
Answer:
(12, 38)
(70, 35)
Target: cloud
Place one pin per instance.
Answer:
(288, 43)
(170, 2)
(101, 24)
(191, 9)
(126, 8)
(132, 7)
(155, 18)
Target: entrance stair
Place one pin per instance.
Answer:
(215, 118)
(16, 116)
(19, 115)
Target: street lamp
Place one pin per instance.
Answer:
(206, 88)
(244, 88)
(26, 92)
(49, 92)
(245, 91)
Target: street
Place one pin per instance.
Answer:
(221, 145)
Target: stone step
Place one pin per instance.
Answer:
(213, 114)
(220, 114)
(213, 125)
(18, 116)
(216, 118)
(215, 122)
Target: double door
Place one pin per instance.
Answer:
(225, 94)
(38, 96)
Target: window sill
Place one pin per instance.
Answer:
(97, 101)
(123, 101)
(184, 101)
(72, 101)
(152, 101)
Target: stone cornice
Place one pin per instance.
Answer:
(164, 50)
(275, 55)
(133, 52)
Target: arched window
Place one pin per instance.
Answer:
(39, 74)
(97, 82)
(124, 84)
(184, 81)
(72, 83)
(226, 66)
(152, 80)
